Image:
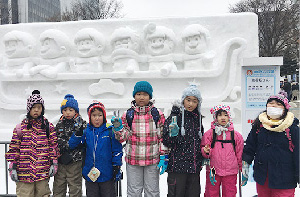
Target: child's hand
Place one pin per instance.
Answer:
(206, 149)
(117, 123)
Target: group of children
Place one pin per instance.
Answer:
(153, 145)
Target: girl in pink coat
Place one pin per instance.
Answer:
(223, 146)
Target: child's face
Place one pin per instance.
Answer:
(274, 103)
(190, 103)
(68, 112)
(36, 110)
(223, 118)
(97, 118)
(142, 99)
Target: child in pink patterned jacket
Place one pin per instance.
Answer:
(224, 147)
(142, 131)
(33, 151)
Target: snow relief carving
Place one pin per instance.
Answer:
(103, 59)
(90, 45)
(54, 51)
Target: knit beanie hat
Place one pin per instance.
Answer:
(192, 90)
(35, 98)
(216, 108)
(96, 104)
(281, 97)
(69, 101)
(143, 86)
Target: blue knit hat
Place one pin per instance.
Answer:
(69, 101)
(143, 86)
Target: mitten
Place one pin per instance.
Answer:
(245, 173)
(117, 123)
(174, 129)
(13, 172)
(212, 176)
(78, 126)
(53, 168)
(117, 173)
(163, 163)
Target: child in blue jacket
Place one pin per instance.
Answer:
(103, 153)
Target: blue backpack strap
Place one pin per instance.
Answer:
(155, 115)
(129, 117)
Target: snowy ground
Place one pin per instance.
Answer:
(248, 191)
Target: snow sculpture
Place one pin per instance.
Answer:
(55, 46)
(133, 50)
(126, 45)
(19, 47)
(106, 86)
(196, 45)
(90, 44)
(160, 42)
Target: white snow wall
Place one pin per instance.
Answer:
(103, 59)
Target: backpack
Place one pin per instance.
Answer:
(130, 116)
(214, 140)
(19, 130)
(288, 135)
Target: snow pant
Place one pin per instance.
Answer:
(141, 178)
(265, 191)
(35, 189)
(100, 189)
(68, 176)
(228, 186)
(183, 184)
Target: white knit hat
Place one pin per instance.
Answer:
(191, 90)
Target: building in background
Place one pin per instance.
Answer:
(28, 11)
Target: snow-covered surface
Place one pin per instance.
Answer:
(103, 60)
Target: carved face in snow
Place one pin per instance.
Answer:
(16, 49)
(50, 49)
(125, 43)
(88, 48)
(159, 46)
(195, 44)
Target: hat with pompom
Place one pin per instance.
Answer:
(191, 90)
(35, 98)
(96, 104)
(69, 101)
(281, 97)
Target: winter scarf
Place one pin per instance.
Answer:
(280, 126)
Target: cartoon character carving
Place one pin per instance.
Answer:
(54, 51)
(126, 45)
(160, 43)
(90, 45)
(196, 46)
(19, 47)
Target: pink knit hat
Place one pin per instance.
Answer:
(216, 108)
(280, 97)
(34, 99)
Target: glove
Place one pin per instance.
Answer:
(13, 172)
(117, 173)
(163, 163)
(117, 123)
(212, 176)
(245, 173)
(53, 168)
(78, 127)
